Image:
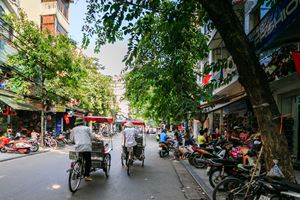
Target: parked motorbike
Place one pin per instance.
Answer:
(20, 146)
(34, 144)
(200, 155)
(164, 149)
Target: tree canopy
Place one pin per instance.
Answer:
(165, 47)
(51, 67)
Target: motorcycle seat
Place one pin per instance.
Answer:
(287, 185)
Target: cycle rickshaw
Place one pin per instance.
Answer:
(100, 156)
(130, 154)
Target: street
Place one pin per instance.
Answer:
(44, 176)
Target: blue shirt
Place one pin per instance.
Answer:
(163, 137)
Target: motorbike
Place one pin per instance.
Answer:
(20, 146)
(200, 154)
(34, 144)
(164, 149)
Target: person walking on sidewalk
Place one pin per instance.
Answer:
(82, 136)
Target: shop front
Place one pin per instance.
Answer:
(16, 113)
(226, 116)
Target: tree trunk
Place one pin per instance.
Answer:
(253, 78)
(42, 127)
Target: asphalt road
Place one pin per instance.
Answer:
(44, 177)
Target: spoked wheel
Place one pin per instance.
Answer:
(199, 161)
(52, 143)
(229, 189)
(107, 164)
(75, 177)
(34, 147)
(129, 163)
(122, 159)
(216, 176)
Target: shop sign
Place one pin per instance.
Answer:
(274, 23)
(58, 108)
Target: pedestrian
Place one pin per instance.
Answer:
(82, 136)
(187, 138)
(8, 133)
(202, 138)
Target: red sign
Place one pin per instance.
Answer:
(206, 78)
(296, 57)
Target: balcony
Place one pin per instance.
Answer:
(58, 8)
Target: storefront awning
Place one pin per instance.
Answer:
(17, 104)
(220, 103)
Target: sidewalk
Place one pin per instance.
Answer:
(201, 177)
(11, 156)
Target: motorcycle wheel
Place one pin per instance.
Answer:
(35, 147)
(215, 176)
(191, 159)
(229, 189)
(3, 150)
(199, 164)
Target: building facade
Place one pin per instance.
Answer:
(275, 34)
(48, 14)
(119, 90)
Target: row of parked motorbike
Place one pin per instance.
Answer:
(23, 144)
(230, 170)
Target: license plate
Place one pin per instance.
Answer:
(208, 169)
(262, 197)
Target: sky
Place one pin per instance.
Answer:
(111, 55)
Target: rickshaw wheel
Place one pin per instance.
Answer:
(143, 162)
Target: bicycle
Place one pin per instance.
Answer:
(50, 142)
(76, 171)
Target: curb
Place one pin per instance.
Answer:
(190, 188)
(198, 179)
(24, 155)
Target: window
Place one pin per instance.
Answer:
(60, 29)
(63, 7)
(5, 30)
(1, 11)
(48, 22)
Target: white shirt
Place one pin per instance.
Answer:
(82, 135)
(129, 137)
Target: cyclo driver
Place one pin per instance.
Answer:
(82, 136)
(129, 135)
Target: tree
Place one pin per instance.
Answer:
(51, 68)
(110, 19)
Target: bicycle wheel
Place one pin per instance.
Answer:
(107, 164)
(128, 167)
(216, 176)
(122, 159)
(75, 175)
(230, 189)
(52, 143)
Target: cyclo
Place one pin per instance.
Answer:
(100, 156)
(130, 154)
